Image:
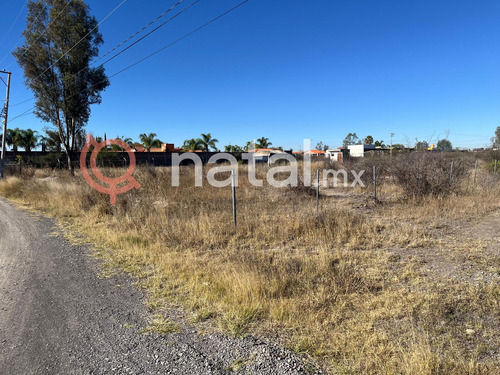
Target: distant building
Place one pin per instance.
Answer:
(358, 151)
(315, 153)
(165, 147)
(263, 154)
(310, 152)
(337, 154)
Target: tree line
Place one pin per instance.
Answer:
(29, 139)
(352, 139)
(207, 143)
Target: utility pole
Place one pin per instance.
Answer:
(392, 135)
(4, 134)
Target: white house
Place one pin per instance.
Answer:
(335, 155)
(358, 151)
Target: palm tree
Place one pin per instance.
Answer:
(263, 143)
(8, 138)
(249, 145)
(28, 139)
(128, 141)
(192, 144)
(231, 148)
(208, 142)
(149, 141)
(13, 138)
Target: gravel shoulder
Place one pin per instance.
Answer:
(58, 317)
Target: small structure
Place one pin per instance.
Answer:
(263, 154)
(165, 147)
(358, 151)
(310, 152)
(315, 153)
(337, 154)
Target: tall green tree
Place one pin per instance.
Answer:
(207, 142)
(321, 146)
(28, 139)
(61, 39)
(351, 139)
(369, 140)
(263, 142)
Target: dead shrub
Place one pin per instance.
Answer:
(422, 174)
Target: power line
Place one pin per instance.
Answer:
(145, 36)
(25, 113)
(157, 51)
(44, 31)
(182, 38)
(129, 38)
(21, 38)
(14, 23)
(28, 112)
(24, 101)
(151, 32)
(140, 31)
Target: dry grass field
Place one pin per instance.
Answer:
(408, 286)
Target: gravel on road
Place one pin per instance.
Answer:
(57, 316)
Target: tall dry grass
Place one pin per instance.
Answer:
(328, 282)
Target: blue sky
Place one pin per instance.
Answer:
(290, 70)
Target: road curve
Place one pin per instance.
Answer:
(58, 317)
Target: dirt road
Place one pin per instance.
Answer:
(58, 317)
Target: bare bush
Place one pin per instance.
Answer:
(425, 174)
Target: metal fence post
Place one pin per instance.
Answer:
(317, 190)
(233, 183)
(475, 173)
(451, 171)
(374, 185)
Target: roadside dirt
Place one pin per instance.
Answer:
(463, 251)
(58, 317)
